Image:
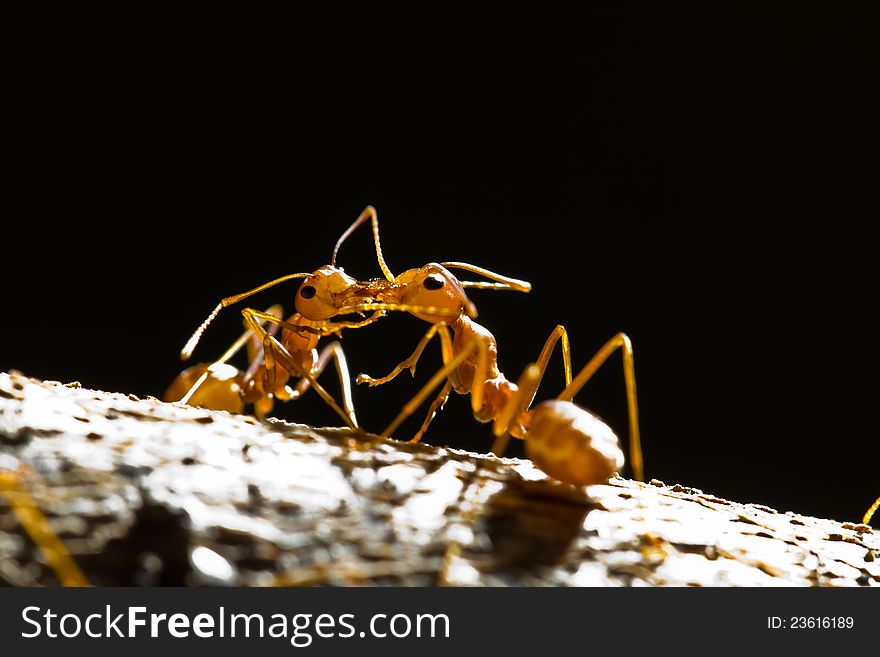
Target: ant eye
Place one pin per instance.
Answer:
(307, 291)
(434, 282)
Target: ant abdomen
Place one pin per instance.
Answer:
(571, 444)
(220, 390)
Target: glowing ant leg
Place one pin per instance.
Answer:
(264, 404)
(273, 349)
(38, 528)
(481, 369)
(245, 338)
(528, 385)
(870, 512)
(277, 321)
(622, 342)
(440, 329)
(333, 350)
(438, 403)
(255, 347)
(559, 334)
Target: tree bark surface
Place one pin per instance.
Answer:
(147, 493)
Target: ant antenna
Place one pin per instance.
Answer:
(190, 345)
(502, 282)
(368, 213)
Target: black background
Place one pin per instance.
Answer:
(703, 182)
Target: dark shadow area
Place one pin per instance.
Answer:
(533, 523)
(154, 552)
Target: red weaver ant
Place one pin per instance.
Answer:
(564, 440)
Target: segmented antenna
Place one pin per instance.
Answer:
(190, 345)
(501, 282)
(368, 213)
(188, 348)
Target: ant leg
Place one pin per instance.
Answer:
(438, 403)
(273, 349)
(481, 369)
(870, 512)
(277, 321)
(254, 320)
(528, 385)
(442, 331)
(263, 404)
(410, 363)
(622, 342)
(441, 398)
(559, 334)
(245, 338)
(38, 528)
(255, 351)
(334, 351)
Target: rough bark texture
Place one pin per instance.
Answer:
(144, 492)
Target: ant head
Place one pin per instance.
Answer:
(433, 285)
(324, 292)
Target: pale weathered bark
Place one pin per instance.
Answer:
(143, 492)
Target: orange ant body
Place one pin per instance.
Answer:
(223, 387)
(324, 294)
(564, 440)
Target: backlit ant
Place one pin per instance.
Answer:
(221, 386)
(325, 293)
(322, 295)
(566, 441)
